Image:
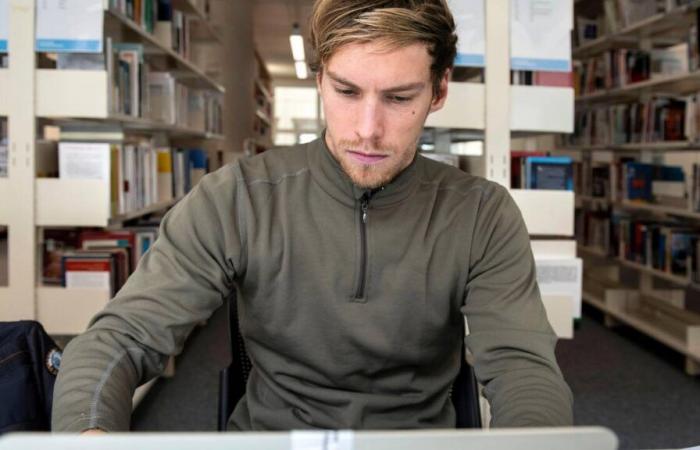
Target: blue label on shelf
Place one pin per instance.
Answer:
(63, 45)
(550, 65)
(3, 45)
(469, 60)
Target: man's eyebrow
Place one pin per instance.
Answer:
(400, 88)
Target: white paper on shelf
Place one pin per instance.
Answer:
(540, 35)
(470, 22)
(561, 277)
(322, 440)
(87, 279)
(69, 26)
(4, 24)
(83, 161)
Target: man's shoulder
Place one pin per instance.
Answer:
(453, 181)
(276, 164)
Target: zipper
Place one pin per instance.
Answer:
(364, 207)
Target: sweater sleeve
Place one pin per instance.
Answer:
(179, 282)
(509, 334)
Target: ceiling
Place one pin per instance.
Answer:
(272, 24)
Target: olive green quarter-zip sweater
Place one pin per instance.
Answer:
(351, 302)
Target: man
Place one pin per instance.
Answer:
(355, 261)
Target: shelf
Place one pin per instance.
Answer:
(463, 109)
(534, 109)
(82, 94)
(118, 220)
(590, 199)
(648, 324)
(670, 24)
(680, 84)
(591, 251)
(4, 200)
(189, 8)
(677, 279)
(154, 46)
(264, 91)
(65, 311)
(262, 116)
(4, 92)
(546, 212)
(81, 203)
(671, 146)
(141, 392)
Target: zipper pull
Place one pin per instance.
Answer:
(365, 206)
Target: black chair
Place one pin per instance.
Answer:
(233, 379)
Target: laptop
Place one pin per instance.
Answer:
(576, 438)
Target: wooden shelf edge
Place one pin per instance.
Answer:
(117, 220)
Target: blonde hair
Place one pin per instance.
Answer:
(393, 23)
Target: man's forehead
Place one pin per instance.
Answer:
(375, 65)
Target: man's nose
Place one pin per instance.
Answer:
(370, 123)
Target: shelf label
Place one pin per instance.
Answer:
(469, 19)
(540, 35)
(4, 24)
(561, 277)
(69, 26)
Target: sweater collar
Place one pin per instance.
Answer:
(328, 173)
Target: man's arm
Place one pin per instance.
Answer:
(509, 335)
(178, 283)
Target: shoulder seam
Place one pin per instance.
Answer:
(277, 180)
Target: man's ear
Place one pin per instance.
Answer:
(441, 95)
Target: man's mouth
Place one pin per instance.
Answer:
(366, 158)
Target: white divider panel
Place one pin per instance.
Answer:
(68, 311)
(542, 109)
(554, 249)
(464, 108)
(4, 92)
(558, 308)
(71, 93)
(4, 201)
(532, 109)
(72, 202)
(546, 213)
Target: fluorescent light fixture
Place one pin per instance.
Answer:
(302, 72)
(297, 43)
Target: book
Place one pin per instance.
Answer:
(88, 271)
(84, 161)
(549, 172)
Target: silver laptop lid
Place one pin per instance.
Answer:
(578, 438)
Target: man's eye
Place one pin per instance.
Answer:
(399, 99)
(345, 92)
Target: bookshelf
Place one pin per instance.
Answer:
(660, 313)
(32, 95)
(662, 25)
(500, 111)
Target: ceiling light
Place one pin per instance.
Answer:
(302, 72)
(297, 43)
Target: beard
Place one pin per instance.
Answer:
(372, 176)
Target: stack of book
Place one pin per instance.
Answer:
(659, 119)
(139, 173)
(92, 258)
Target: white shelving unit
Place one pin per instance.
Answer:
(28, 202)
(658, 314)
(496, 108)
(4, 92)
